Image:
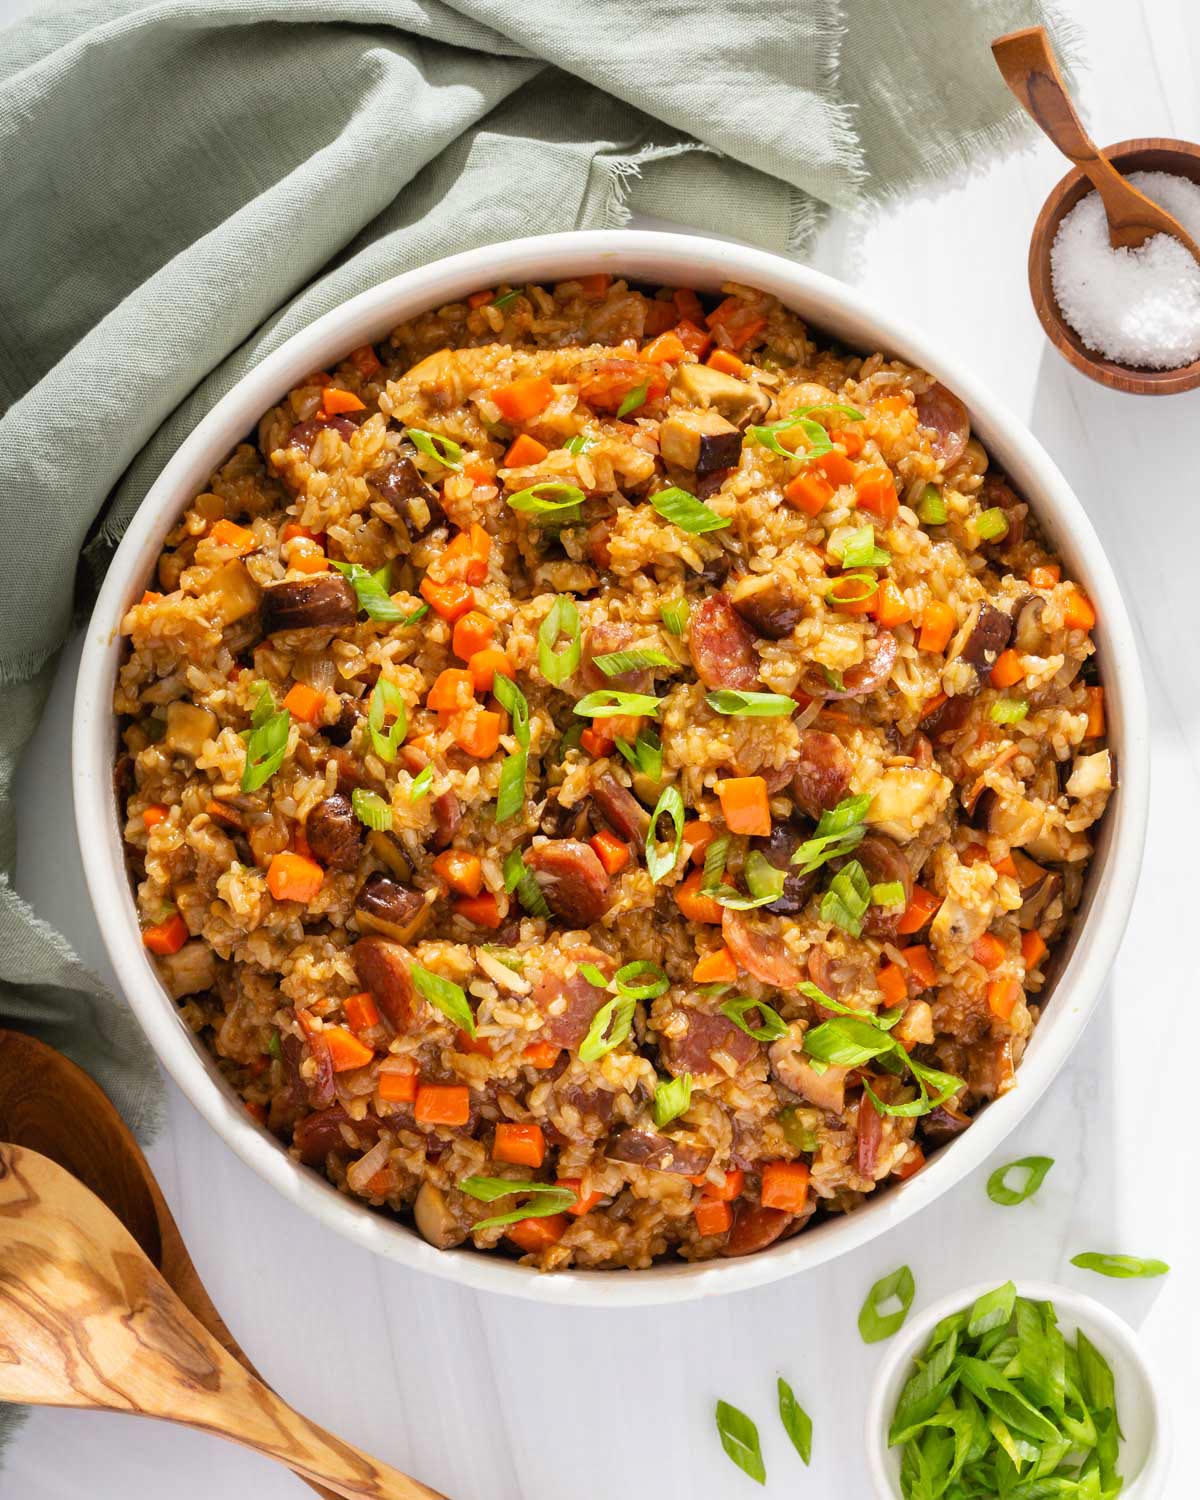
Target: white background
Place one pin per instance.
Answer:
(497, 1399)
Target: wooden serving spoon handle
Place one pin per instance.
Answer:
(86, 1321)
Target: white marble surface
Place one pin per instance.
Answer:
(494, 1399)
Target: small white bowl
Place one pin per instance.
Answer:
(1145, 1456)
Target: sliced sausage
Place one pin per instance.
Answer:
(447, 815)
(605, 637)
(942, 411)
(767, 605)
(989, 636)
(822, 776)
(754, 1228)
(870, 1136)
(758, 948)
(662, 1153)
(573, 881)
(385, 968)
(334, 834)
(318, 1134)
(569, 1002)
(879, 656)
(326, 601)
(882, 863)
(621, 810)
(304, 434)
(722, 645)
(693, 1050)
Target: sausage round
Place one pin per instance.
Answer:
(941, 410)
(573, 881)
(722, 645)
(326, 601)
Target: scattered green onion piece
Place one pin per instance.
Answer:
(510, 793)
(714, 863)
(675, 615)
(1120, 1266)
(635, 398)
(888, 893)
(371, 810)
(772, 1025)
(852, 588)
(931, 508)
(370, 589)
(839, 830)
(609, 1028)
(764, 882)
(735, 703)
(275, 1046)
(685, 511)
(645, 754)
(266, 746)
(834, 679)
(434, 445)
(571, 736)
(845, 902)
(515, 704)
(818, 438)
(517, 878)
(669, 804)
(422, 781)
(580, 443)
(1035, 1167)
(562, 620)
(628, 976)
(595, 976)
(797, 1132)
(613, 663)
(532, 501)
(544, 1199)
(387, 700)
(796, 1421)
(507, 956)
(606, 703)
(1008, 710)
(992, 524)
(858, 550)
(847, 1041)
(873, 1323)
(739, 1438)
(672, 1096)
(264, 705)
(505, 299)
(446, 996)
(418, 614)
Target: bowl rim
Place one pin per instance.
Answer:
(1073, 1306)
(665, 258)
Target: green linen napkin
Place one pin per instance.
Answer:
(188, 182)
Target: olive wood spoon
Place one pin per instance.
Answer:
(1031, 72)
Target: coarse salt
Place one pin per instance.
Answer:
(1138, 307)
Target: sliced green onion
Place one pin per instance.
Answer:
(606, 703)
(818, 438)
(685, 511)
(434, 445)
(739, 1438)
(888, 893)
(992, 524)
(371, 591)
(514, 702)
(595, 976)
(517, 878)
(562, 620)
(580, 443)
(796, 1421)
(671, 1098)
(506, 299)
(510, 793)
(613, 663)
(675, 615)
(845, 902)
(834, 679)
(571, 736)
(532, 501)
(264, 705)
(992, 1310)
(275, 1046)
(858, 550)
(669, 804)
(266, 746)
(874, 1323)
(797, 1131)
(847, 1041)
(633, 984)
(838, 831)
(852, 588)
(635, 398)
(609, 1028)
(422, 781)
(544, 1199)
(931, 508)
(1120, 1266)
(371, 810)
(1035, 1168)
(446, 996)
(387, 701)
(645, 754)
(771, 1024)
(764, 882)
(714, 863)
(1008, 710)
(733, 702)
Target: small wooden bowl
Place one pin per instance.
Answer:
(1178, 157)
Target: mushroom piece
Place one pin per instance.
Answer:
(791, 1068)
(767, 605)
(334, 834)
(738, 401)
(326, 600)
(187, 728)
(1036, 902)
(1091, 774)
(702, 441)
(989, 635)
(402, 486)
(387, 907)
(434, 1220)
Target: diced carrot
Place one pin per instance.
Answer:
(477, 732)
(1008, 669)
(854, 593)
(745, 805)
(920, 965)
(304, 702)
(875, 492)
(474, 632)
(727, 363)
(694, 339)
(597, 743)
(660, 316)
(988, 950)
(937, 626)
(166, 937)
(912, 1161)
(893, 984)
(891, 405)
(1033, 948)
(1078, 614)
(594, 287)
(454, 690)
(150, 597)
(584, 1201)
(293, 877)
(718, 967)
(808, 492)
(239, 538)
(849, 438)
(1002, 997)
(450, 600)
(520, 1145)
(483, 910)
(479, 1045)
(734, 1185)
(1046, 576)
(534, 1235)
(1006, 865)
(361, 1011)
(524, 452)
(712, 1216)
(154, 815)
(396, 1087)
(366, 361)
(307, 557)
(345, 1049)
(1095, 712)
(920, 908)
(481, 299)
(694, 904)
(689, 305)
(973, 854)
(737, 320)
(610, 851)
(698, 833)
(837, 468)
(291, 531)
(465, 558)
(541, 1055)
(442, 1104)
(665, 349)
(524, 398)
(336, 401)
(461, 871)
(785, 1185)
(480, 471)
(890, 608)
(486, 665)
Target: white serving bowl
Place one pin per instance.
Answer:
(672, 260)
(1142, 1408)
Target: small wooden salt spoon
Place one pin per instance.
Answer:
(49, 1105)
(1031, 72)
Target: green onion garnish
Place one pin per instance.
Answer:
(418, 614)
(275, 1046)
(562, 620)
(505, 299)
(671, 1098)
(434, 445)
(838, 831)
(387, 701)
(370, 809)
(888, 893)
(635, 398)
(544, 1199)
(768, 436)
(931, 508)
(422, 781)
(1035, 1168)
(613, 663)
(446, 996)
(517, 878)
(510, 793)
(514, 702)
(764, 882)
(675, 615)
(1120, 1266)
(563, 507)
(887, 1305)
(845, 902)
(266, 745)
(685, 511)
(714, 863)
(796, 1421)
(605, 703)
(797, 1132)
(771, 1024)
(733, 702)
(992, 524)
(609, 1028)
(858, 550)
(580, 443)
(645, 754)
(1008, 710)
(739, 1438)
(669, 804)
(371, 591)
(641, 980)
(852, 588)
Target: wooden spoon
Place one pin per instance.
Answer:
(1029, 69)
(49, 1105)
(88, 1322)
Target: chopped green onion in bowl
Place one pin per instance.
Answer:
(931, 508)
